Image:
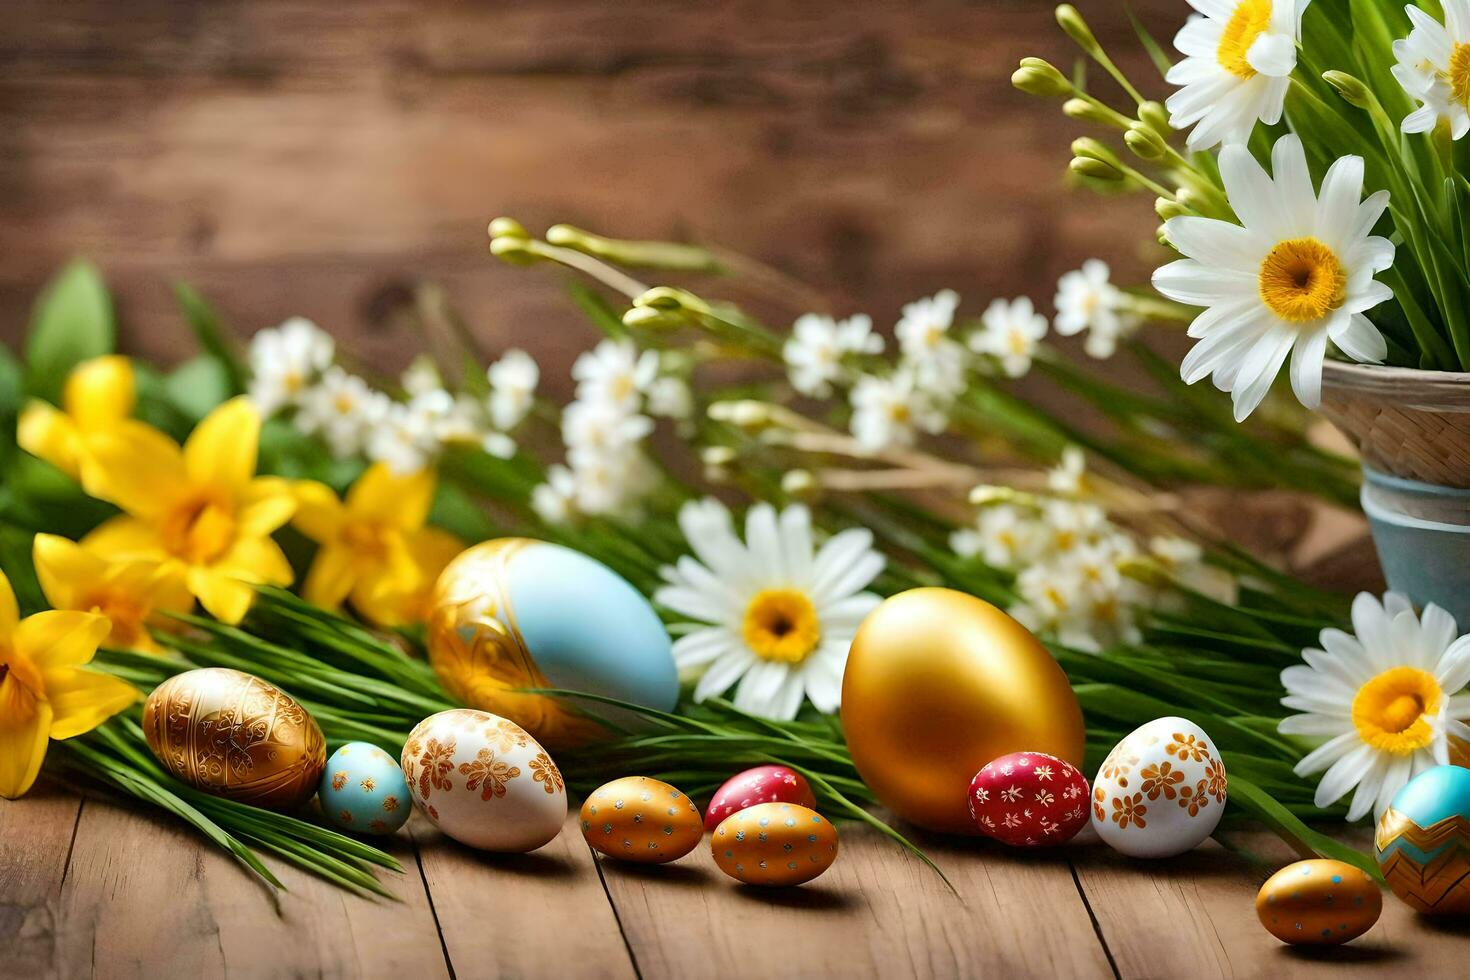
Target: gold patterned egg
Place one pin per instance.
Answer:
(1318, 903)
(636, 818)
(233, 735)
(776, 844)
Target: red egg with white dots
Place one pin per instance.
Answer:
(763, 784)
(1029, 799)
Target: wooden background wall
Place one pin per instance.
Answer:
(320, 156)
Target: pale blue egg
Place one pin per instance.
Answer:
(363, 790)
(1423, 842)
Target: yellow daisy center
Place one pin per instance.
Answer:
(1460, 74)
(1302, 280)
(782, 624)
(200, 530)
(1392, 711)
(1250, 21)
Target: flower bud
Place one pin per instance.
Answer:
(647, 318)
(513, 251)
(1071, 22)
(1352, 89)
(508, 228)
(1155, 117)
(744, 414)
(1144, 142)
(1085, 111)
(1166, 209)
(799, 483)
(1095, 169)
(1091, 149)
(718, 455)
(1038, 77)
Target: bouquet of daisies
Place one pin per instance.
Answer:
(1309, 165)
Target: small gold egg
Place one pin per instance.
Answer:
(639, 819)
(233, 735)
(774, 844)
(1318, 903)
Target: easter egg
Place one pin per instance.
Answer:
(1029, 799)
(484, 781)
(364, 791)
(774, 844)
(1318, 903)
(763, 784)
(1423, 842)
(233, 735)
(937, 684)
(1161, 791)
(515, 613)
(641, 819)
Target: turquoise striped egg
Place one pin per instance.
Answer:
(364, 791)
(1423, 842)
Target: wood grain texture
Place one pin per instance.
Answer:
(35, 843)
(144, 898)
(877, 912)
(315, 157)
(522, 915)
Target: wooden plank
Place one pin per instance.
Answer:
(522, 915)
(878, 911)
(144, 898)
(1195, 916)
(35, 838)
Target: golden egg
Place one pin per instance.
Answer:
(938, 683)
(1318, 903)
(233, 735)
(641, 819)
(775, 844)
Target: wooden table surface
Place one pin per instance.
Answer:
(93, 887)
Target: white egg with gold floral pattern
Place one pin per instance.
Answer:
(483, 780)
(1161, 791)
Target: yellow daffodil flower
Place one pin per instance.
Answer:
(44, 690)
(375, 548)
(128, 593)
(99, 394)
(200, 505)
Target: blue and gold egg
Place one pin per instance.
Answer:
(516, 613)
(363, 790)
(1320, 902)
(1423, 842)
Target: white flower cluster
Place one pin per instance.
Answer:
(619, 388)
(292, 370)
(891, 408)
(1068, 558)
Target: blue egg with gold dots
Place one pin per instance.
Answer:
(363, 790)
(1423, 842)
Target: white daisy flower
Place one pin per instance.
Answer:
(817, 345)
(1238, 61)
(1067, 525)
(513, 380)
(924, 324)
(1387, 701)
(1011, 331)
(616, 373)
(1004, 536)
(284, 361)
(342, 409)
(780, 613)
(403, 439)
(887, 411)
(1087, 300)
(1434, 67)
(1297, 272)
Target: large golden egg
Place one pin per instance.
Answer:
(939, 683)
(234, 735)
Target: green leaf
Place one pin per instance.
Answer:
(198, 386)
(72, 322)
(12, 384)
(1156, 53)
(212, 335)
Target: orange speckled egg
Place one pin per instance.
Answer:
(1318, 903)
(774, 844)
(641, 819)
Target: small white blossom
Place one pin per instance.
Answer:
(1087, 300)
(924, 324)
(1005, 536)
(599, 428)
(403, 440)
(421, 377)
(343, 410)
(284, 361)
(513, 380)
(669, 397)
(887, 411)
(1434, 68)
(1069, 477)
(1010, 332)
(616, 373)
(817, 346)
(554, 500)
